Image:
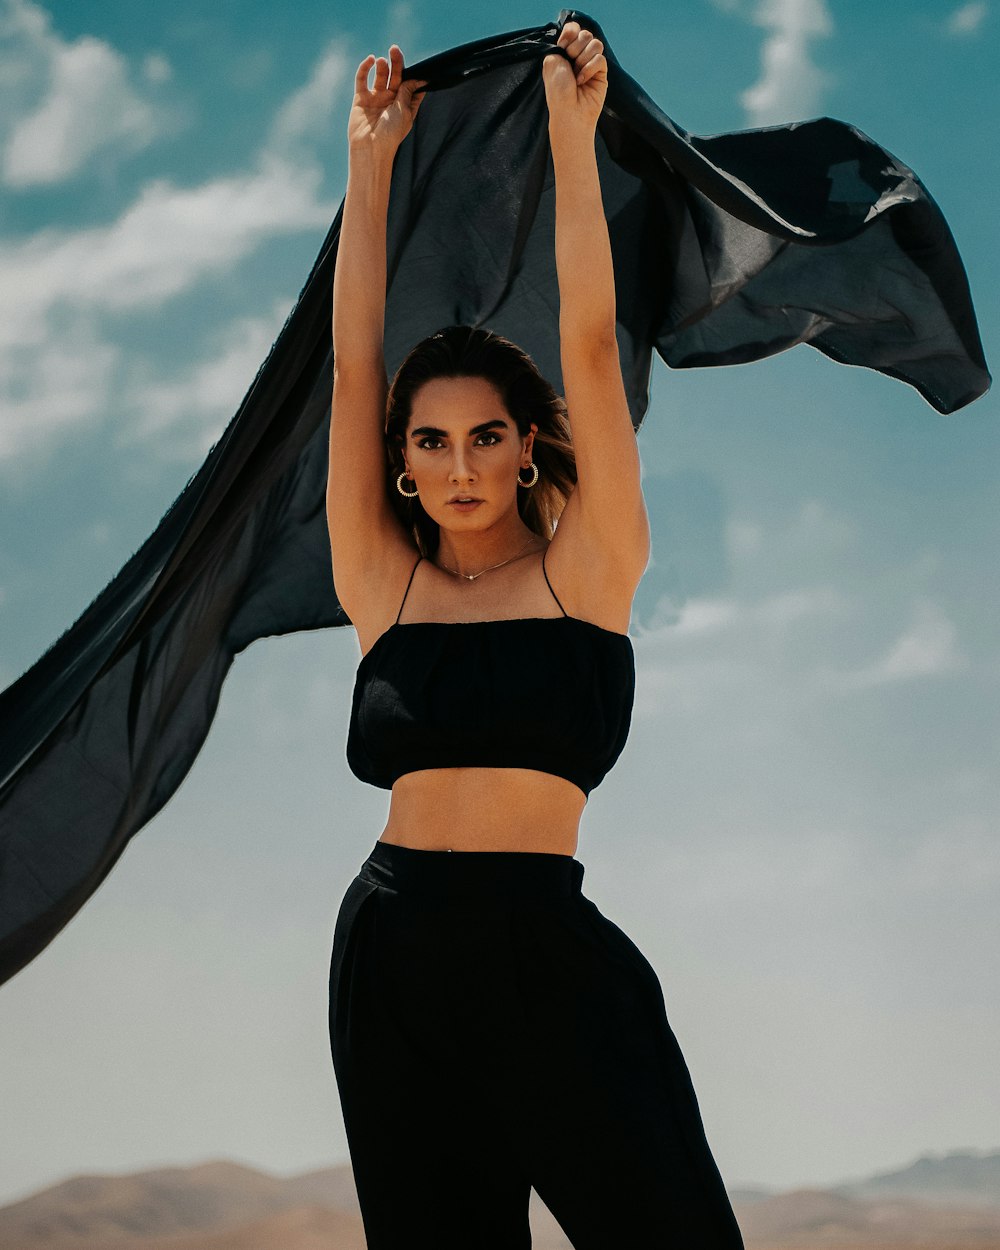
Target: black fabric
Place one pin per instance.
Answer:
(493, 1031)
(726, 249)
(440, 694)
(434, 694)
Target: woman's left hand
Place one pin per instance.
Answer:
(575, 93)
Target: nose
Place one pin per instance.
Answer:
(461, 467)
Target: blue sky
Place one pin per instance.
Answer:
(802, 832)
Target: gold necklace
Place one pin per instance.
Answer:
(472, 576)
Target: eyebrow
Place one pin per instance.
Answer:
(476, 429)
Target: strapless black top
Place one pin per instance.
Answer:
(548, 693)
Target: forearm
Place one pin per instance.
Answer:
(360, 275)
(583, 247)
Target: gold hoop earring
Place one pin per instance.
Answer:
(533, 480)
(407, 494)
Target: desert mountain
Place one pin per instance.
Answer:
(950, 1202)
(959, 1177)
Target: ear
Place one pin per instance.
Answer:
(529, 438)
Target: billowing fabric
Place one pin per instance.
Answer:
(492, 1031)
(726, 249)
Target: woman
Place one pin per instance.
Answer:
(491, 1029)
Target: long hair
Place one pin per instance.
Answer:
(462, 351)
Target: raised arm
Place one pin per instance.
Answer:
(605, 518)
(367, 542)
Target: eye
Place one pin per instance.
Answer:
(495, 437)
(427, 440)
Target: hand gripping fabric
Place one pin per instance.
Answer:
(726, 249)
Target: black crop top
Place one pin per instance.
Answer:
(549, 693)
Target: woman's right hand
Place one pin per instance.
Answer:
(381, 117)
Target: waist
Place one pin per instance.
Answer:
(485, 809)
(492, 874)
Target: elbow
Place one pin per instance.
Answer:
(593, 337)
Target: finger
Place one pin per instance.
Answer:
(593, 50)
(568, 33)
(361, 77)
(591, 69)
(576, 46)
(553, 59)
(412, 91)
(396, 67)
(381, 74)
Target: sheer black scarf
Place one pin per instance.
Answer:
(726, 249)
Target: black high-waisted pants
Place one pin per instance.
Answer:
(491, 1031)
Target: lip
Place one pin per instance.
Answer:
(464, 507)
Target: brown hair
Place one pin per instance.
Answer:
(463, 351)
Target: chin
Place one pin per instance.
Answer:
(465, 521)
(478, 518)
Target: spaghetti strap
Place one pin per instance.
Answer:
(554, 595)
(407, 590)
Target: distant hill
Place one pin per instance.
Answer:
(959, 1177)
(106, 1209)
(950, 1202)
(212, 1206)
(819, 1219)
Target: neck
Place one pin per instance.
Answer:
(474, 550)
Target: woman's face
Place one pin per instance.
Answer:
(462, 443)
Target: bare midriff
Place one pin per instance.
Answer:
(485, 809)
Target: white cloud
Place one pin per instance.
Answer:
(63, 103)
(161, 245)
(56, 362)
(967, 19)
(719, 649)
(786, 551)
(815, 530)
(744, 537)
(703, 616)
(306, 114)
(198, 405)
(401, 27)
(55, 382)
(809, 637)
(57, 358)
(926, 648)
(795, 605)
(156, 68)
(790, 85)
